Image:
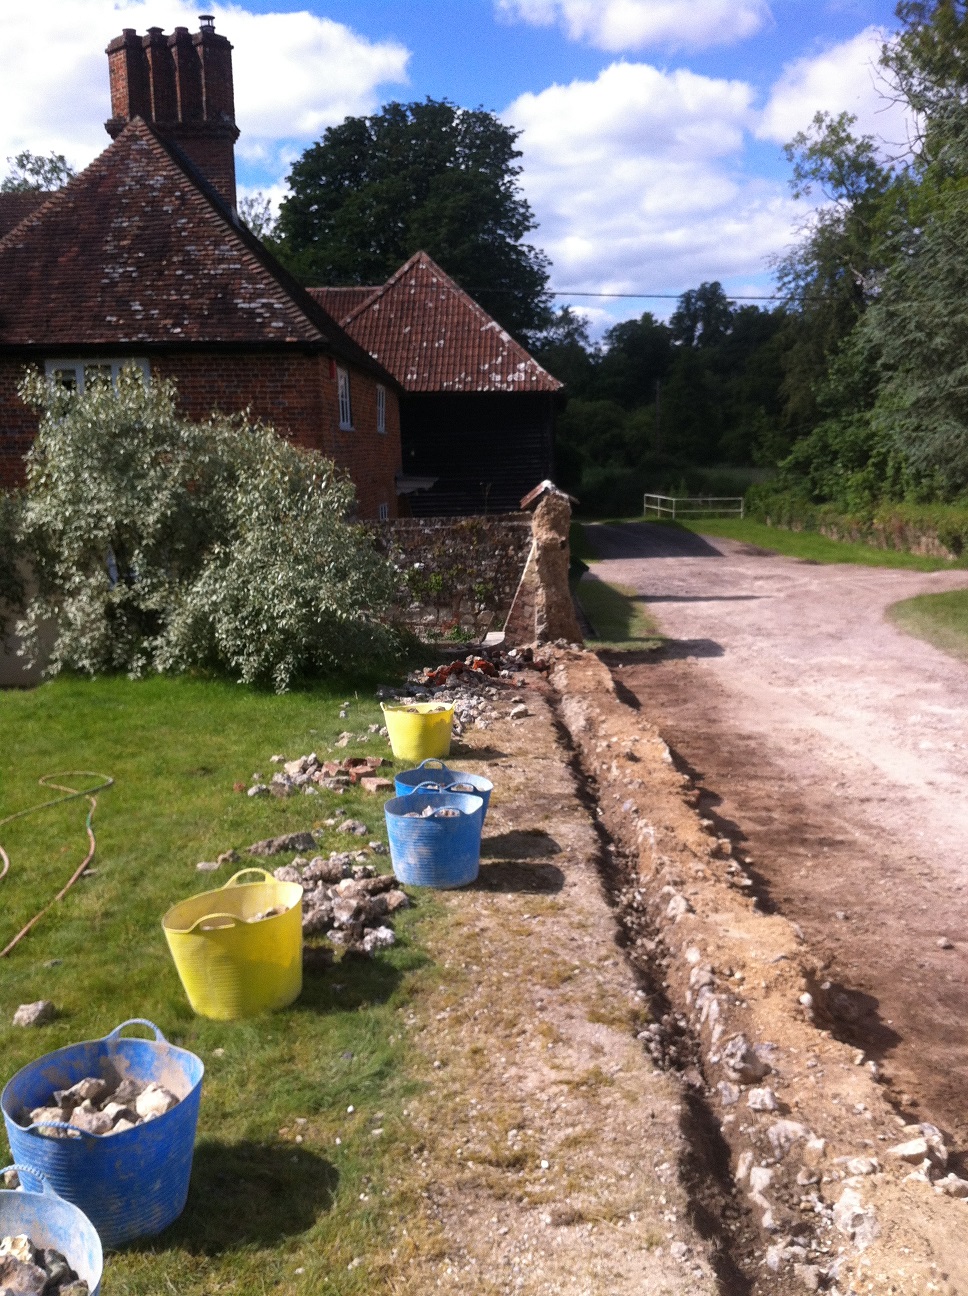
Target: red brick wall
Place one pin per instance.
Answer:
(293, 392)
(17, 424)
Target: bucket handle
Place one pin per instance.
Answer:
(266, 877)
(233, 921)
(137, 1021)
(46, 1185)
(59, 1125)
(432, 762)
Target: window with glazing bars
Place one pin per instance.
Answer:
(345, 407)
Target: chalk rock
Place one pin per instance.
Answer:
(379, 938)
(154, 1100)
(728, 1093)
(809, 1276)
(952, 1186)
(91, 1087)
(87, 1117)
(783, 1134)
(744, 1063)
(35, 1014)
(854, 1219)
(353, 826)
(861, 1165)
(19, 1279)
(303, 841)
(762, 1100)
(678, 907)
(914, 1151)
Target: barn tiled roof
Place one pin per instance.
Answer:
(15, 206)
(433, 337)
(341, 301)
(138, 249)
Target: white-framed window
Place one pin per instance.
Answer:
(79, 375)
(384, 512)
(345, 404)
(381, 408)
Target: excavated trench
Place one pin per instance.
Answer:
(717, 1209)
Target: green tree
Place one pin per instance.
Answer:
(831, 274)
(703, 316)
(636, 357)
(31, 172)
(420, 176)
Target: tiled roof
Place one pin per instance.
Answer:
(15, 206)
(433, 337)
(341, 301)
(138, 249)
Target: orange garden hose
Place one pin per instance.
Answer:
(47, 781)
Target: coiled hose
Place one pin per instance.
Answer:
(47, 781)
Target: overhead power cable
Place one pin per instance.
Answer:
(564, 292)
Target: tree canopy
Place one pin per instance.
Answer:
(419, 176)
(30, 172)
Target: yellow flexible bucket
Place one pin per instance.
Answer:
(230, 966)
(419, 730)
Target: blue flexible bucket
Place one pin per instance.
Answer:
(129, 1185)
(436, 773)
(435, 852)
(53, 1224)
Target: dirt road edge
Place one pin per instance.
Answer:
(848, 1197)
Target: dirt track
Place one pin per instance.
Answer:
(833, 750)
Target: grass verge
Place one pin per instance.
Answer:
(617, 615)
(274, 1204)
(812, 546)
(941, 619)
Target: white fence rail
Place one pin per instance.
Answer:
(681, 506)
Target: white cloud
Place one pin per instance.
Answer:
(844, 78)
(294, 73)
(635, 24)
(637, 181)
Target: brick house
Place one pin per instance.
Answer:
(477, 411)
(142, 259)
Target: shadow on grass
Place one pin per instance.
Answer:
(245, 1194)
(355, 981)
(524, 879)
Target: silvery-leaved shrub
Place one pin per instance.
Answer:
(160, 543)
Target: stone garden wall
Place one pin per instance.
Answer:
(458, 576)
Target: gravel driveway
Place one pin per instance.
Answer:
(833, 749)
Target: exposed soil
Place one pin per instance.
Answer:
(549, 1148)
(832, 750)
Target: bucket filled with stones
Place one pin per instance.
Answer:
(110, 1125)
(47, 1246)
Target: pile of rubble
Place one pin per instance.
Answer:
(100, 1106)
(478, 687)
(30, 1270)
(308, 774)
(349, 903)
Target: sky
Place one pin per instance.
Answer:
(651, 131)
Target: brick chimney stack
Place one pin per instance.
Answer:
(182, 85)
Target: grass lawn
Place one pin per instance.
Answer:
(265, 1213)
(808, 545)
(941, 619)
(812, 546)
(617, 615)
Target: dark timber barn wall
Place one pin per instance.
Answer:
(486, 449)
